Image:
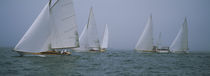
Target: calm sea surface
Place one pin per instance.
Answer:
(110, 63)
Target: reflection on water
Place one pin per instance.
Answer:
(110, 63)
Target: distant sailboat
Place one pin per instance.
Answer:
(93, 40)
(160, 48)
(180, 43)
(105, 40)
(89, 40)
(55, 28)
(145, 42)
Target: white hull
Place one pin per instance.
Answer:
(180, 52)
(162, 51)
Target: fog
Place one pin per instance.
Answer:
(126, 20)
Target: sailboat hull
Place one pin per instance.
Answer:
(94, 49)
(180, 52)
(43, 53)
(146, 51)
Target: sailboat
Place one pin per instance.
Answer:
(160, 48)
(54, 29)
(180, 43)
(145, 42)
(105, 40)
(89, 40)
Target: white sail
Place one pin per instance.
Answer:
(65, 33)
(93, 40)
(83, 38)
(146, 40)
(36, 39)
(180, 43)
(83, 41)
(105, 38)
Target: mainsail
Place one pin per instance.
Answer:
(65, 33)
(105, 40)
(180, 43)
(36, 38)
(146, 40)
(93, 40)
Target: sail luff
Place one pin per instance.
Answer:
(145, 41)
(37, 36)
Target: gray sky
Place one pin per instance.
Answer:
(125, 18)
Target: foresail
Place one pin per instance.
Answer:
(105, 38)
(65, 33)
(83, 41)
(146, 40)
(93, 40)
(83, 38)
(180, 43)
(36, 38)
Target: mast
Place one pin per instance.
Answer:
(146, 40)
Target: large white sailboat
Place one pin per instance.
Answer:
(55, 28)
(145, 42)
(89, 40)
(180, 43)
(104, 44)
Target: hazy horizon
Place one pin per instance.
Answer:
(126, 20)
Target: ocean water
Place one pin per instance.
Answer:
(109, 63)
